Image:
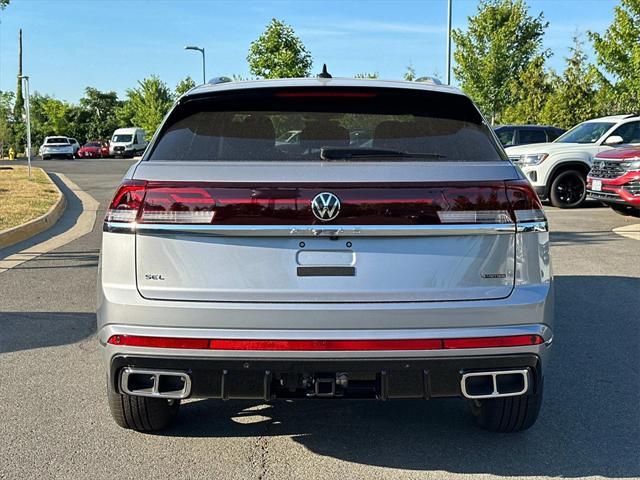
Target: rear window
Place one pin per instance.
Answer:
(341, 124)
(57, 140)
(531, 135)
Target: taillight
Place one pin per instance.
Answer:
(127, 201)
(524, 202)
(200, 203)
(178, 204)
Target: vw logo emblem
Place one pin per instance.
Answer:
(325, 206)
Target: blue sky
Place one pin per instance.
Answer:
(71, 44)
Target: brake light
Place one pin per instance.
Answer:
(326, 345)
(127, 201)
(316, 94)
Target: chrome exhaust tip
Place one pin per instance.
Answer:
(155, 383)
(495, 384)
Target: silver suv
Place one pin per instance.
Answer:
(413, 266)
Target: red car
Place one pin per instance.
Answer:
(614, 179)
(105, 149)
(91, 149)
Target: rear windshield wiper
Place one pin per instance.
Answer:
(335, 153)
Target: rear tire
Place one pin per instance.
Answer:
(509, 414)
(568, 189)
(143, 414)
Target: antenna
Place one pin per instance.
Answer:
(324, 73)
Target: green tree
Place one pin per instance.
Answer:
(3, 4)
(498, 45)
(82, 124)
(56, 114)
(410, 74)
(530, 93)
(279, 53)
(618, 55)
(573, 98)
(96, 117)
(373, 75)
(6, 121)
(184, 86)
(19, 128)
(146, 105)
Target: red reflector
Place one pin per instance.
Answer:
(327, 94)
(328, 345)
(324, 345)
(159, 342)
(489, 342)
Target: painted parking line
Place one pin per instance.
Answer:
(629, 231)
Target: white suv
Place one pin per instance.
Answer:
(558, 170)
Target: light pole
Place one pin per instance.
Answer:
(449, 43)
(201, 50)
(27, 105)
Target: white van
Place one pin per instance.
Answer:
(127, 142)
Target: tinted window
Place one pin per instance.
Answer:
(630, 132)
(588, 132)
(245, 126)
(58, 140)
(505, 135)
(532, 135)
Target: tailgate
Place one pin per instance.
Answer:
(388, 242)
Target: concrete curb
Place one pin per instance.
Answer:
(14, 235)
(73, 228)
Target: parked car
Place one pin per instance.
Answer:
(104, 150)
(510, 135)
(75, 145)
(417, 268)
(127, 142)
(614, 179)
(558, 171)
(56, 147)
(91, 149)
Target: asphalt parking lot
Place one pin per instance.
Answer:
(55, 423)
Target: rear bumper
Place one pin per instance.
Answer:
(266, 379)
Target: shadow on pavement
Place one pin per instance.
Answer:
(589, 424)
(560, 239)
(28, 330)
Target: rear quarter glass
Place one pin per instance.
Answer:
(252, 125)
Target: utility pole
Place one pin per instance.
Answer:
(19, 105)
(449, 42)
(25, 78)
